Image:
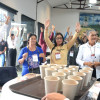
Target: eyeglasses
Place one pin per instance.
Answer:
(94, 35)
(60, 38)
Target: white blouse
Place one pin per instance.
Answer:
(85, 55)
(12, 43)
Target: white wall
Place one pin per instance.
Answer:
(44, 11)
(62, 18)
(23, 6)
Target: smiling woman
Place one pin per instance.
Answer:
(58, 50)
(31, 56)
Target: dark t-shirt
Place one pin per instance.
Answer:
(3, 44)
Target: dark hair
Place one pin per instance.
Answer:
(30, 35)
(12, 34)
(98, 34)
(55, 44)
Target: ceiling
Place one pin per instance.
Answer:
(74, 4)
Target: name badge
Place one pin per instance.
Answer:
(71, 53)
(93, 56)
(58, 56)
(35, 58)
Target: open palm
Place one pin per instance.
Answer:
(78, 27)
(47, 23)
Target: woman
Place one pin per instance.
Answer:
(12, 42)
(42, 42)
(89, 53)
(58, 50)
(30, 56)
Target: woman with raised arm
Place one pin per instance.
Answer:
(58, 50)
(42, 42)
(12, 41)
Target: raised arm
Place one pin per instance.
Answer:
(47, 40)
(67, 33)
(17, 32)
(4, 27)
(10, 31)
(52, 33)
(72, 41)
(41, 36)
(7, 19)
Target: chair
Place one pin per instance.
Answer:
(6, 74)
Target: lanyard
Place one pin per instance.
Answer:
(92, 53)
(37, 52)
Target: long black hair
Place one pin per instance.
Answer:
(55, 44)
(30, 37)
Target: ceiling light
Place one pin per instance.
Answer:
(92, 1)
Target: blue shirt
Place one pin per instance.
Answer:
(28, 62)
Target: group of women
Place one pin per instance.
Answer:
(88, 55)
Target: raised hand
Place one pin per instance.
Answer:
(41, 29)
(47, 23)
(53, 28)
(7, 19)
(78, 27)
(11, 28)
(68, 28)
(18, 28)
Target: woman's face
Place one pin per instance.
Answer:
(92, 37)
(32, 40)
(59, 40)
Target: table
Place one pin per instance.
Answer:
(7, 94)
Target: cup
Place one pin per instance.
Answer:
(57, 67)
(81, 74)
(51, 84)
(77, 78)
(88, 73)
(42, 70)
(62, 76)
(90, 69)
(49, 71)
(71, 70)
(67, 72)
(76, 67)
(53, 65)
(69, 88)
(62, 66)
